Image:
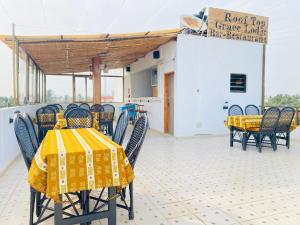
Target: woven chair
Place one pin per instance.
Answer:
(236, 135)
(72, 105)
(55, 107)
(39, 203)
(121, 127)
(46, 119)
(284, 125)
(106, 118)
(85, 106)
(132, 151)
(95, 107)
(252, 110)
(267, 129)
(79, 118)
(59, 106)
(235, 110)
(31, 130)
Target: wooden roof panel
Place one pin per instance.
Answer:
(74, 53)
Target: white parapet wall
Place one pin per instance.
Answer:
(202, 81)
(9, 148)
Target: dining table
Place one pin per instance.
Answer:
(79, 161)
(243, 123)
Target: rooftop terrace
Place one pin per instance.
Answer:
(199, 180)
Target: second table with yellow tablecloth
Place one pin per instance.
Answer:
(249, 122)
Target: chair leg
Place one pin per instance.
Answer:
(244, 141)
(131, 209)
(32, 200)
(38, 204)
(288, 138)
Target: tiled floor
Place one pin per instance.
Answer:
(196, 180)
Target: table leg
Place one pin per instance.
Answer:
(58, 212)
(112, 206)
(231, 136)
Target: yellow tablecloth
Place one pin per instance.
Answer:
(73, 160)
(249, 122)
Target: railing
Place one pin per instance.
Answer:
(297, 114)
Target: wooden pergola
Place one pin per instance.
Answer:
(83, 53)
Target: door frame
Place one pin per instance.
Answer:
(166, 96)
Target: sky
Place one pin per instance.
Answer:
(41, 17)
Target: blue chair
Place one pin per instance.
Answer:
(55, 107)
(121, 127)
(252, 110)
(106, 118)
(72, 105)
(46, 120)
(132, 152)
(85, 106)
(31, 129)
(79, 118)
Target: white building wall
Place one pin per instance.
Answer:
(9, 148)
(165, 64)
(202, 81)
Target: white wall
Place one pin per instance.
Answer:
(165, 64)
(9, 148)
(202, 81)
(141, 84)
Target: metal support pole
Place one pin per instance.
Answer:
(45, 87)
(27, 78)
(73, 88)
(86, 97)
(36, 83)
(263, 77)
(14, 66)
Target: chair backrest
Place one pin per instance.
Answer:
(55, 107)
(252, 110)
(72, 105)
(23, 136)
(85, 106)
(79, 118)
(285, 120)
(95, 107)
(31, 130)
(270, 120)
(59, 106)
(235, 110)
(46, 116)
(109, 110)
(121, 127)
(136, 139)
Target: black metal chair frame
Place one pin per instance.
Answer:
(121, 128)
(252, 107)
(95, 107)
(262, 133)
(132, 151)
(72, 105)
(32, 131)
(85, 106)
(55, 107)
(106, 126)
(78, 113)
(42, 130)
(59, 106)
(283, 132)
(242, 134)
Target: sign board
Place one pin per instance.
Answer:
(237, 26)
